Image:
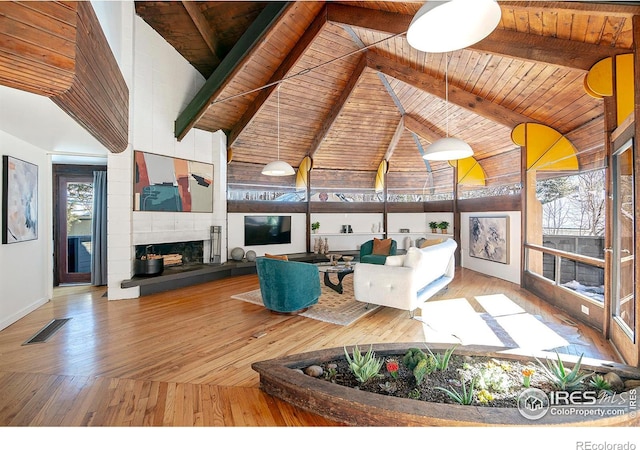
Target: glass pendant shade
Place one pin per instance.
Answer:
(278, 169)
(446, 149)
(444, 26)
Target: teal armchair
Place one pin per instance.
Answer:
(287, 286)
(367, 256)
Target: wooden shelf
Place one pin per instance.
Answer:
(359, 233)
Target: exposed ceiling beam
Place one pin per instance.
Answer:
(281, 73)
(433, 86)
(559, 52)
(337, 106)
(600, 9)
(395, 139)
(419, 129)
(205, 30)
(549, 50)
(230, 66)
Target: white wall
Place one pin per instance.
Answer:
(510, 271)
(163, 84)
(26, 267)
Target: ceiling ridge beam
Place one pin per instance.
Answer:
(279, 75)
(513, 44)
(545, 49)
(338, 106)
(208, 34)
(229, 66)
(433, 86)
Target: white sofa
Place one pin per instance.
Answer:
(406, 281)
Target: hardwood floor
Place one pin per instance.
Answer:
(183, 358)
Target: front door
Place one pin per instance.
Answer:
(623, 307)
(73, 231)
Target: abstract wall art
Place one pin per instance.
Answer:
(19, 200)
(163, 183)
(489, 238)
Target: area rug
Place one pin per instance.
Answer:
(339, 309)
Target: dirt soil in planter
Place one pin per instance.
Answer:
(505, 375)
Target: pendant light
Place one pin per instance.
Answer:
(447, 148)
(278, 168)
(445, 26)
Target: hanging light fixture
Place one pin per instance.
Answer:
(278, 168)
(445, 26)
(447, 148)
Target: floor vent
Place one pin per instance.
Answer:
(48, 331)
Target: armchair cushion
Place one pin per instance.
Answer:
(367, 254)
(287, 286)
(381, 246)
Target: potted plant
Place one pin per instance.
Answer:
(315, 226)
(444, 226)
(433, 226)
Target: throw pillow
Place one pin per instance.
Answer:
(394, 260)
(381, 246)
(430, 242)
(282, 257)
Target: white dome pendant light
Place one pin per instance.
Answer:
(447, 148)
(445, 26)
(278, 168)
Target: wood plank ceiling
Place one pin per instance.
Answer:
(355, 93)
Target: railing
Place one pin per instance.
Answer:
(552, 271)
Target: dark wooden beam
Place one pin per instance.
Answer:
(281, 73)
(337, 106)
(433, 86)
(549, 50)
(205, 30)
(229, 66)
(599, 9)
(561, 52)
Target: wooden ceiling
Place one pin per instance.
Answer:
(352, 92)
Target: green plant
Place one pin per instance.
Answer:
(465, 397)
(414, 394)
(559, 375)
(433, 225)
(442, 361)
(413, 357)
(364, 367)
(443, 225)
(484, 396)
(493, 378)
(315, 226)
(424, 367)
(598, 382)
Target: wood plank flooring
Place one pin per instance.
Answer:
(183, 358)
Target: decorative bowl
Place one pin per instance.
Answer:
(347, 260)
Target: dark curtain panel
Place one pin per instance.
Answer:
(99, 230)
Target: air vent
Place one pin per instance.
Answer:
(49, 330)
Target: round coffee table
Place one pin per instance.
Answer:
(341, 270)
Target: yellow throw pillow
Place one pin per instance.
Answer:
(282, 257)
(430, 242)
(381, 246)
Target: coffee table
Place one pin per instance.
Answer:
(341, 270)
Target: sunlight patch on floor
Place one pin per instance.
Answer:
(503, 323)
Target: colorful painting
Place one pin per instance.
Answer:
(19, 200)
(163, 183)
(489, 238)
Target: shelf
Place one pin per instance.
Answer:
(422, 234)
(359, 233)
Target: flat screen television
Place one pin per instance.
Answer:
(266, 230)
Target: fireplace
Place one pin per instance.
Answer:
(174, 253)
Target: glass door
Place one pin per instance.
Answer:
(75, 216)
(623, 307)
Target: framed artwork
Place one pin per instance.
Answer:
(489, 238)
(163, 183)
(19, 200)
